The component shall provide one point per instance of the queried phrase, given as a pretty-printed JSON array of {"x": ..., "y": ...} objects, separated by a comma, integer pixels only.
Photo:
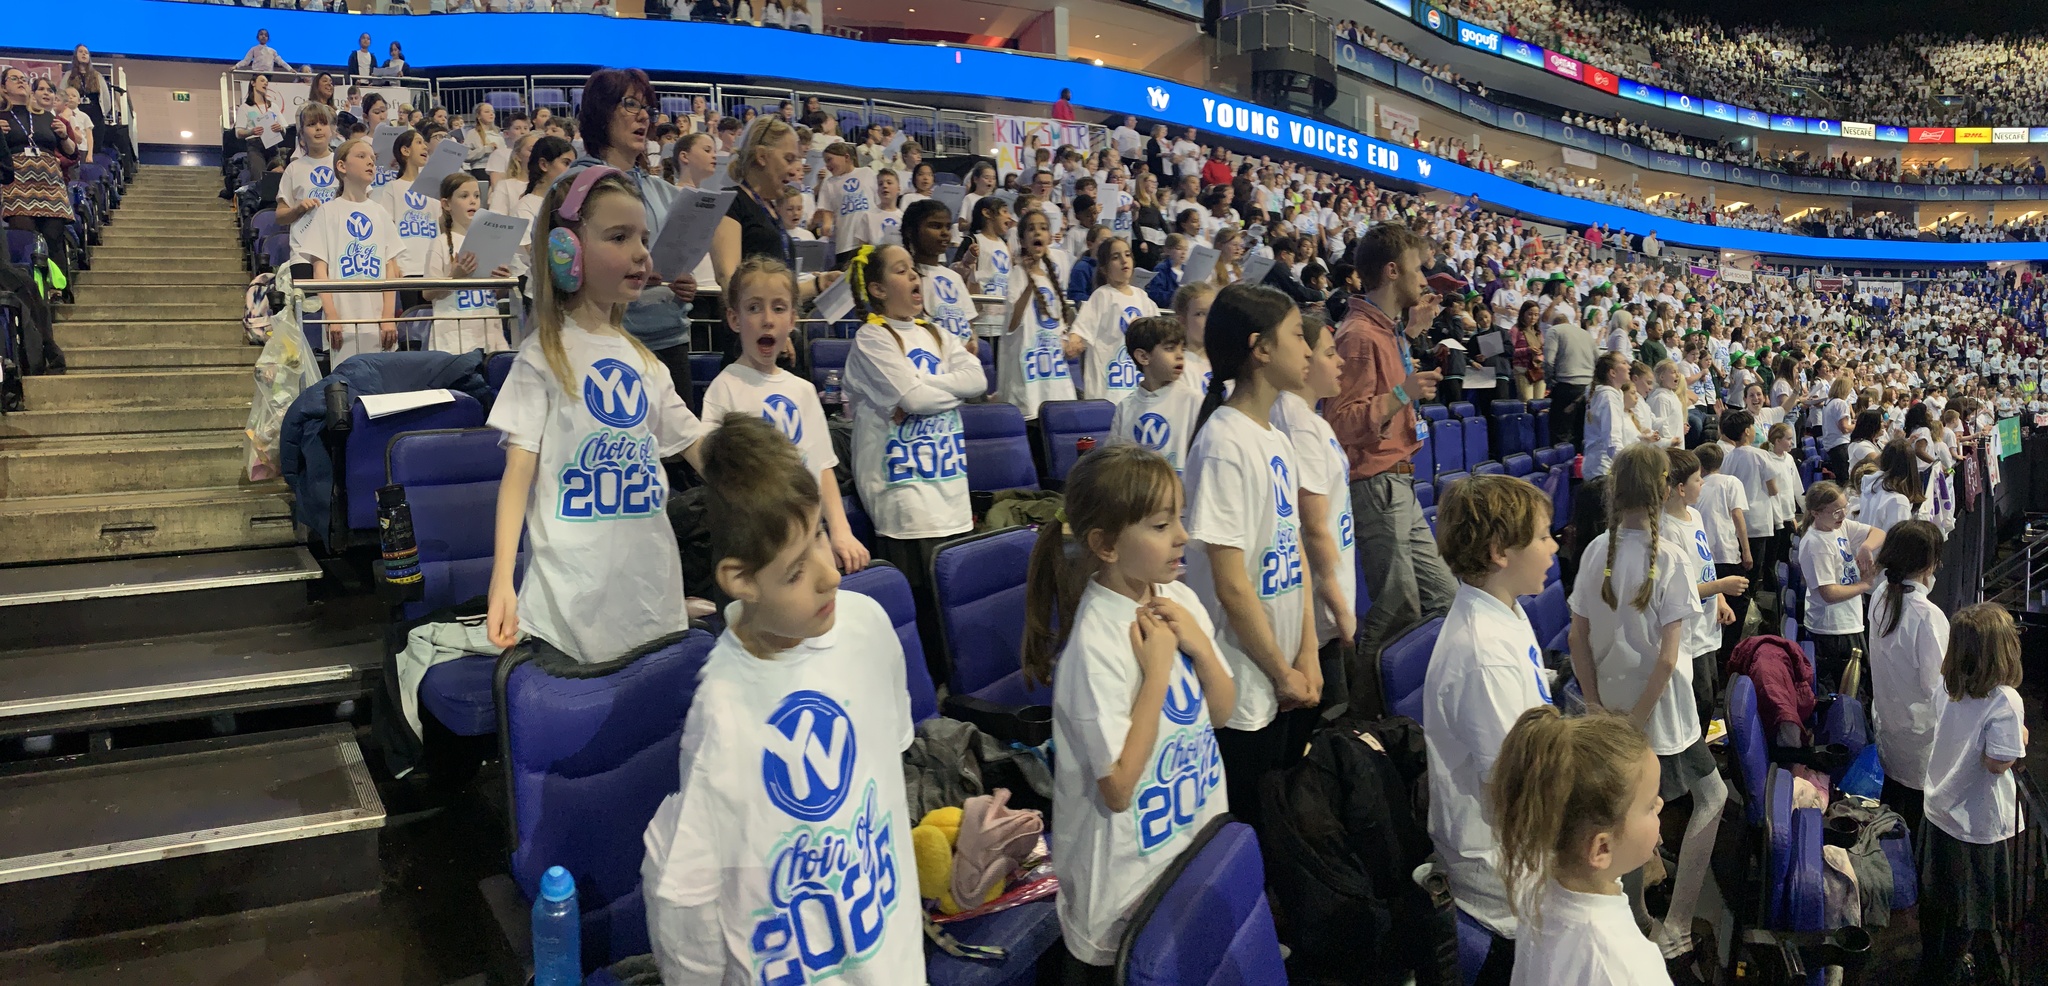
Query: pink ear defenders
[{"x": 565, "y": 251}]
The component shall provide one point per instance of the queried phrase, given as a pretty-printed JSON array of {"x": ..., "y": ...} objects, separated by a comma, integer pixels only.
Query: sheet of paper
[
  {"x": 835, "y": 302},
  {"x": 1153, "y": 235},
  {"x": 1256, "y": 269},
  {"x": 1141, "y": 277},
  {"x": 813, "y": 256},
  {"x": 379, "y": 405},
  {"x": 1490, "y": 345},
  {"x": 686, "y": 232},
  {"x": 1481, "y": 378},
  {"x": 1201, "y": 263},
  {"x": 952, "y": 196},
  {"x": 446, "y": 160},
  {"x": 1451, "y": 344},
  {"x": 895, "y": 145},
  {"x": 494, "y": 239},
  {"x": 386, "y": 135},
  {"x": 271, "y": 138}
]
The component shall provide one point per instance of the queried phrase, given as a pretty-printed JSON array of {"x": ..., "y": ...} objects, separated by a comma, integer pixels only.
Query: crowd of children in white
[{"x": 1197, "y": 596}]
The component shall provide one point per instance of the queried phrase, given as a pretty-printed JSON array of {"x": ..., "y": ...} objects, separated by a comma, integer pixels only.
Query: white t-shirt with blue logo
[
  {"x": 948, "y": 302},
  {"x": 463, "y": 320},
  {"x": 603, "y": 575},
  {"x": 880, "y": 226},
  {"x": 419, "y": 222},
  {"x": 1703, "y": 633},
  {"x": 1485, "y": 671},
  {"x": 1627, "y": 641},
  {"x": 307, "y": 178},
  {"x": 1326, "y": 472},
  {"x": 1160, "y": 420},
  {"x": 1109, "y": 373},
  {"x": 791, "y": 815},
  {"x": 1242, "y": 493},
  {"x": 1829, "y": 558},
  {"x": 912, "y": 474},
  {"x": 1031, "y": 363},
  {"x": 846, "y": 197},
  {"x": 784, "y": 399},
  {"x": 1107, "y": 860},
  {"x": 359, "y": 242},
  {"x": 992, "y": 270}
]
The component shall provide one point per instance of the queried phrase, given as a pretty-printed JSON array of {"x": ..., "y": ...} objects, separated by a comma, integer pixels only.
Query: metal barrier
[
  {"x": 919, "y": 123},
  {"x": 964, "y": 132},
  {"x": 503, "y": 92},
  {"x": 849, "y": 112},
  {"x": 764, "y": 100},
  {"x": 679, "y": 99},
  {"x": 561, "y": 95},
  {"x": 511, "y": 311}
]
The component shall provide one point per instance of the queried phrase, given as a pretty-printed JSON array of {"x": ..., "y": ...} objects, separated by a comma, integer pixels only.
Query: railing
[
  {"x": 463, "y": 95},
  {"x": 1257, "y": 25},
  {"x": 511, "y": 309}
]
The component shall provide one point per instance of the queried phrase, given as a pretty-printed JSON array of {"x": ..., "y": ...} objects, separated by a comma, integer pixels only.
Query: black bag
[{"x": 1341, "y": 843}]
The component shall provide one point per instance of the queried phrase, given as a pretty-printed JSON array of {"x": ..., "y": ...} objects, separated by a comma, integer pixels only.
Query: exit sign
[{"x": 180, "y": 96}]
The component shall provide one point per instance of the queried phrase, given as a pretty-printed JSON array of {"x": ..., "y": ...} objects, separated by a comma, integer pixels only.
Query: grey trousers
[{"x": 1404, "y": 576}]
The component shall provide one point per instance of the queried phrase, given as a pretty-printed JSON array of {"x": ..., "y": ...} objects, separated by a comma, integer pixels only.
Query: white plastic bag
[{"x": 286, "y": 368}]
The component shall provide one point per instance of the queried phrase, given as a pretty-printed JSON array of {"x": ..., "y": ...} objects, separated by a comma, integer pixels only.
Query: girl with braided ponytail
[
  {"x": 905, "y": 378},
  {"x": 1905, "y": 664},
  {"x": 1577, "y": 804},
  {"x": 1629, "y": 620}
]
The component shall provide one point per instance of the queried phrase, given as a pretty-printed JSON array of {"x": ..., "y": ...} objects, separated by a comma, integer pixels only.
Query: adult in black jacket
[{"x": 1285, "y": 248}]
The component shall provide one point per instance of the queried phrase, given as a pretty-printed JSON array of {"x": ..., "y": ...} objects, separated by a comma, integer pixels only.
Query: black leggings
[
  {"x": 1248, "y": 756},
  {"x": 54, "y": 237}
]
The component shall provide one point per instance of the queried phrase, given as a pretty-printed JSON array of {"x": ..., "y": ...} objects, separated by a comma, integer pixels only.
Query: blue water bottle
[{"x": 557, "y": 931}]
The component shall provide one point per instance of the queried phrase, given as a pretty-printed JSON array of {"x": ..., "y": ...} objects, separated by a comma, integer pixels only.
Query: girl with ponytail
[
  {"x": 1629, "y": 622},
  {"x": 1905, "y": 664},
  {"x": 1140, "y": 685},
  {"x": 1578, "y": 806},
  {"x": 1243, "y": 491}
]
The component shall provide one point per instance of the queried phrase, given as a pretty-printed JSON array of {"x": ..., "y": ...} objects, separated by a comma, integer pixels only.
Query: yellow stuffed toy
[{"x": 933, "y": 840}]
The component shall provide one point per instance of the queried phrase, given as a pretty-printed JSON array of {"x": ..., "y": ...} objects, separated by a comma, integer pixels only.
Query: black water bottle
[{"x": 403, "y": 580}]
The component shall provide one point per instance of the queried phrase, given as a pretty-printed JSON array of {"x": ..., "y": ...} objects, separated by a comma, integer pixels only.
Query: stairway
[
  {"x": 180, "y": 685},
  {"x": 138, "y": 449}
]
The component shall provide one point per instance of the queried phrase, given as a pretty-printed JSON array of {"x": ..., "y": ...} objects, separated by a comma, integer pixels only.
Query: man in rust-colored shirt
[{"x": 1375, "y": 419}]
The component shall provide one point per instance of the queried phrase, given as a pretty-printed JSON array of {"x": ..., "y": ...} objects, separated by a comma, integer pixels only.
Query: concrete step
[
  {"x": 110, "y": 280},
  {"x": 228, "y": 307},
  {"x": 227, "y": 250},
  {"x": 160, "y": 295},
  {"x": 131, "y": 388},
  {"x": 130, "y": 221},
  {"x": 122, "y": 525},
  {"x": 183, "y": 416},
  {"x": 164, "y": 357},
  {"x": 140, "y": 333},
  {"x": 74, "y": 466},
  {"x": 206, "y": 265},
  {"x": 68, "y": 688},
  {"x": 206, "y": 827},
  {"x": 169, "y": 235}
]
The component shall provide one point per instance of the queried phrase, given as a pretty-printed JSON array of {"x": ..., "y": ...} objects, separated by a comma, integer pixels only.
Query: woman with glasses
[{"x": 40, "y": 147}]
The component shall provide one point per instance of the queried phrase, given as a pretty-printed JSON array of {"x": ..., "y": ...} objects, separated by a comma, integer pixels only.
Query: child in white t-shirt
[
  {"x": 587, "y": 415},
  {"x": 1110, "y": 373},
  {"x": 988, "y": 248},
  {"x": 1327, "y": 538},
  {"x": 463, "y": 320},
  {"x": 309, "y": 181},
  {"x": 1703, "y": 634},
  {"x": 905, "y": 379},
  {"x": 417, "y": 213},
  {"x": 1837, "y": 558},
  {"x": 354, "y": 239},
  {"x": 1158, "y": 415},
  {"x": 1243, "y": 511},
  {"x": 1629, "y": 622},
  {"x": 1577, "y": 924},
  {"x": 1137, "y": 691},
  {"x": 1485, "y": 672},
  {"x": 1191, "y": 305},
  {"x": 761, "y": 309},
  {"x": 1967, "y": 868},
  {"x": 848, "y": 192},
  {"x": 948, "y": 302},
  {"x": 1724, "y": 515},
  {"x": 883, "y": 224},
  {"x": 1906, "y": 652},
  {"x": 794, "y": 743},
  {"x": 1036, "y": 346}
]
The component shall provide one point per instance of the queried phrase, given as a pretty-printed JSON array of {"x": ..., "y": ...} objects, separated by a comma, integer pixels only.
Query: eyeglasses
[{"x": 631, "y": 105}]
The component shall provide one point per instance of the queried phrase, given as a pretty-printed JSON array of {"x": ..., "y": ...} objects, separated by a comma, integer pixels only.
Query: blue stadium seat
[
  {"x": 1206, "y": 922},
  {"x": 1558, "y": 484},
  {"x": 978, "y": 582},
  {"x": 986, "y": 352},
  {"x": 1425, "y": 494},
  {"x": 885, "y": 584},
  {"x": 503, "y": 101},
  {"x": 1539, "y": 409},
  {"x": 998, "y": 453},
  {"x": 370, "y": 438},
  {"x": 1502, "y": 408},
  {"x": 1429, "y": 517},
  {"x": 1548, "y": 614},
  {"x": 1403, "y": 663},
  {"x": 1447, "y": 438},
  {"x": 1424, "y": 460},
  {"x": 496, "y": 368},
  {"x": 704, "y": 368},
  {"x": 590, "y": 752},
  {"x": 1445, "y": 479},
  {"x": 1474, "y": 942},
  {"x": 857, "y": 522},
  {"x": 1061, "y": 424},
  {"x": 1517, "y": 433},
  {"x": 558, "y": 102},
  {"x": 1746, "y": 742},
  {"x": 1519, "y": 464},
  {"x": 1435, "y": 412},
  {"x": 1463, "y": 409},
  {"x": 1489, "y": 469},
  {"x": 828, "y": 355}
]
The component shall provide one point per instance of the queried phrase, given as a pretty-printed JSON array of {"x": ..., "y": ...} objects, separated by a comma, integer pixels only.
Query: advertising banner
[
  {"x": 1576, "y": 136},
  {"x": 1474, "y": 36},
  {"x": 1825, "y": 128},
  {"x": 2008, "y": 135},
  {"x": 1405, "y": 8},
  {"x": 1737, "y": 275},
  {"x": 1436, "y": 20},
  {"x": 1477, "y": 109},
  {"x": 1683, "y": 103},
  {"x": 1930, "y": 135},
  {"x": 1896, "y": 135},
  {"x": 1861, "y": 131},
  {"x": 1789, "y": 124},
  {"x": 1520, "y": 122},
  {"x": 1358, "y": 59},
  {"x": 1393, "y": 119},
  {"x": 1721, "y": 111},
  {"x": 1579, "y": 159},
  {"x": 1017, "y": 138},
  {"x": 1642, "y": 92},
  {"x": 1564, "y": 65},
  {"x": 1602, "y": 80},
  {"x": 1752, "y": 118},
  {"x": 1973, "y": 135}
]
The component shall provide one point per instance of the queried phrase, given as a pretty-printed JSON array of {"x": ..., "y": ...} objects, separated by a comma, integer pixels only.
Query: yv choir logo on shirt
[
  {"x": 1542, "y": 678},
  {"x": 360, "y": 258},
  {"x": 1152, "y": 431},
  {"x": 417, "y": 223},
  {"x": 1045, "y": 360},
  {"x": 1280, "y": 567},
  {"x": 925, "y": 448},
  {"x": 856, "y": 200},
  {"x": 614, "y": 474},
  {"x": 830, "y": 889},
  {"x": 1346, "y": 536},
  {"x": 951, "y": 316},
  {"x": 782, "y": 412},
  {"x": 1283, "y": 485},
  {"x": 322, "y": 180},
  {"x": 1848, "y": 559},
  {"x": 1122, "y": 372},
  {"x": 1188, "y": 771}
]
